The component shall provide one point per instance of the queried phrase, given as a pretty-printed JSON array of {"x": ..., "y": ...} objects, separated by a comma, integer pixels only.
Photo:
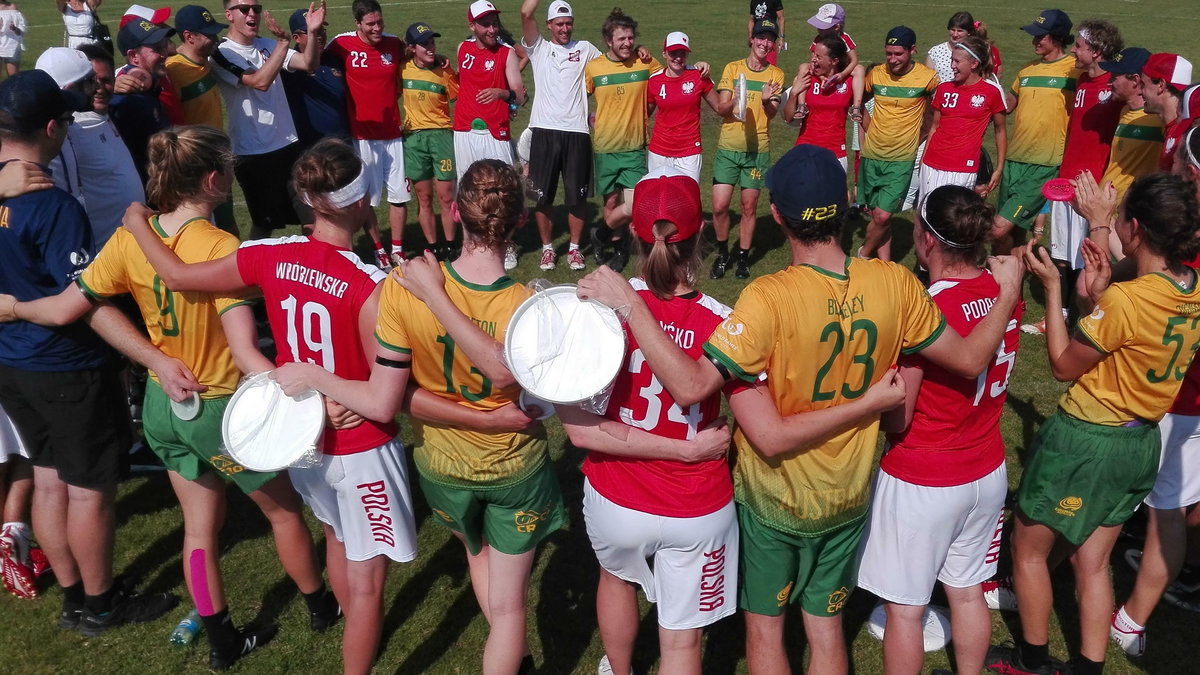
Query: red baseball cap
[
  {"x": 1173, "y": 68},
  {"x": 666, "y": 194},
  {"x": 154, "y": 16},
  {"x": 1191, "y": 103}
]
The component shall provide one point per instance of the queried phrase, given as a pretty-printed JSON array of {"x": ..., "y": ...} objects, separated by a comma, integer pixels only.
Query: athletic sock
[
  {"x": 315, "y": 601},
  {"x": 547, "y": 247},
  {"x": 743, "y": 253},
  {"x": 527, "y": 666},
  {"x": 573, "y": 247},
  {"x": 220, "y": 630},
  {"x": 1124, "y": 623},
  {"x": 73, "y": 595},
  {"x": 722, "y": 247},
  {"x": 397, "y": 244},
  {"x": 1082, "y": 665},
  {"x": 100, "y": 604},
  {"x": 1033, "y": 656}
]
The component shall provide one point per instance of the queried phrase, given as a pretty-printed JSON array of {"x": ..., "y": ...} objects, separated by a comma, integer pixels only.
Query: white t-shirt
[
  {"x": 97, "y": 169},
  {"x": 560, "y": 99},
  {"x": 11, "y": 43},
  {"x": 259, "y": 121},
  {"x": 942, "y": 56}
]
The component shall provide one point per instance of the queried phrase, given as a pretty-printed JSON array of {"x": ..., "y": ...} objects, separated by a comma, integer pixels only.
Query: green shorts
[
  {"x": 1021, "y": 198},
  {"x": 883, "y": 184},
  {"x": 617, "y": 170},
  {"x": 429, "y": 154},
  {"x": 512, "y": 519},
  {"x": 743, "y": 169},
  {"x": 193, "y": 448},
  {"x": 1080, "y": 476},
  {"x": 778, "y": 568}
]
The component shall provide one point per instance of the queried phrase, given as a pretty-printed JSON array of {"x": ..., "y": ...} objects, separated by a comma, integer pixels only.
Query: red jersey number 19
[{"x": 313, "y": 322}]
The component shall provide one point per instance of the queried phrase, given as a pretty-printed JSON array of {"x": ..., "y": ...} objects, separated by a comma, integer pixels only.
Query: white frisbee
[
  {"x": 187, "y": 409},
  {"x": 562, "y": 349},
  {"x": 739, "y": 96},
  {"x": 267, "y": 430},
  {"x": 936, "y": 629},
  {"x": 527, "y": 402}
]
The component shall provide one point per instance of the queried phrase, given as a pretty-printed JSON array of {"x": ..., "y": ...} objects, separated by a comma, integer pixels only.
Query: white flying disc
[
  {"x": 562, "y": 349},
  {"x": 936, "y": 630},
  {"x": 267, "y": 430},
  {"x": 528, "y": 401},
  {"x": 187, "y": 409},
  {"x": 739, "y": 96}
]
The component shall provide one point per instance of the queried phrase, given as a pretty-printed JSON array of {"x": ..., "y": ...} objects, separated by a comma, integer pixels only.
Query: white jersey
[
  {"x": 259, "y": 121},
  {"x": 560, "y": 99}
]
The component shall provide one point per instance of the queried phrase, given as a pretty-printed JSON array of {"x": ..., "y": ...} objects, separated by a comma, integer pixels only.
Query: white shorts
[
  {"x": 1178, "y": 482},
  {"x": 931, "y": 179},
  {"x": 383, "y": 163},
  {"x": 476, "y": 144},
  {"x": 917, "y": 535},
  {"x": 365, "y": 498},
  {"x": 914, "y": 184},
  {"x": 689, "y": 165},
  {"x": 1068, "y": 229},
  {"x": 695, "y": 574},
  {"x": 845, "y": 162},
  {"x": 10, "y": 439}
]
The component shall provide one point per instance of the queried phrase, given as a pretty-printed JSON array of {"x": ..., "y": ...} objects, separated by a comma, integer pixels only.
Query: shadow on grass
[
  {"x": 449, "y": 561},
  {"x": 1031, "y": 421}
]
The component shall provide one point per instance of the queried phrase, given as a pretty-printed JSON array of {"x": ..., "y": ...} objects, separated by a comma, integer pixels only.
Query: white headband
[
  {"x": 347, "y": 195},
  {"x": 964, "y": 48},
  {"x": 1187, "y": 145},
  {"x": 933, "y": 230}
]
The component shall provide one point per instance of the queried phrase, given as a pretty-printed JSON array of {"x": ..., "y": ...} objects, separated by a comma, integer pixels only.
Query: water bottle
[{"x": 187, "y": 629}]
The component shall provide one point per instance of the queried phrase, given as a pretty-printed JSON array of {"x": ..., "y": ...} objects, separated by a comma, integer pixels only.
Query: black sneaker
[
  {"x": 128, "y": 607},
  {"x": 600, "y": 233},
  {"x": 719, "y": 266},
  {"x": 248, "y": 640},
  {"x": 742, "y": 270},
  {"x": 329, "y": 613},
  {"x": 620, "y": 256},
  {"x": 68, "y": 618}
]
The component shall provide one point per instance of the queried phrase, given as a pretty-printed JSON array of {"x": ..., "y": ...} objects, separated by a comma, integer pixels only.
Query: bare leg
[
  {"x": 478, "y": 566},
  {"x": 364, "y": 613},
  {"x": 397, "y": 217},
  {"x": 18, "y": 480},
  {"x": 878, "y": 241},
  {"x": 1095, "y": 591},
  {"x": 575, "y": 223},
  {"x": 91, "y": 526},
  {"x": 544, "y": 224},
  {"x": 680, "y": 651},
  {"x": 293, "y": 540},
  {"x": 617, "y": 616},
  {"x": 203, "y": 505},
  {"x": 614, "y": 211},
  {"x": 50, "y": 506},
  {"x": 722, "y": 196},
  {"x": 507, "y": 590},
  {"x": 337, "y": 566},
  {"x": 445, "y": 193},
  {"x": 749, "y": 217},
  {"x": 425, "y": 215},
  {"x": 1032, "y": 544},
  {"x": 903, "y": 642},
  {"x": 765, "y": 654},
  {"x": 826, "y": 644},
  {"x": 971, "y": 626}
]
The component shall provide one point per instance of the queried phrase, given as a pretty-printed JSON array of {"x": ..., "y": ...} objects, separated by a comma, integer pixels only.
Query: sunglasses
[{"x": 246, "y": 9}]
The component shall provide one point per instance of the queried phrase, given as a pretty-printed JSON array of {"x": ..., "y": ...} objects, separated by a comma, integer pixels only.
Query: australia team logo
[
  {"x": 977, "y": 101},
  {"x": 1069, "y": 505},
  {"x": 883, "y": 91}
]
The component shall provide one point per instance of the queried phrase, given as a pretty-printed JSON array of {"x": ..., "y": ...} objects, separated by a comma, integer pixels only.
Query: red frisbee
[{"x": 1058, "y": 190}]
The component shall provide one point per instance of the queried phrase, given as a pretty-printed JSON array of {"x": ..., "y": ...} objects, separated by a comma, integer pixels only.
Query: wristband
[
  {"x": 1098, "y": 227},
  {"x": 512, "y": 96}
]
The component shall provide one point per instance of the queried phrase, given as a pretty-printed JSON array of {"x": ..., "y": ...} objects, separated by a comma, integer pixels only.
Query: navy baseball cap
[
  {"x": 765, "y": 26},
  {"x": 196, "y": 19},
  {"x": 808, "y": 184},
  {"x": 419, "y": 33},
  {"x": 31, "y": 98},
  {"x": 141, "y": 32},
  {"x": 1130, "y": 61},
  {"x": 1050, "y": 22},
  {"x": 901, "y": 36},
  {"x": 298, "y": 23}
]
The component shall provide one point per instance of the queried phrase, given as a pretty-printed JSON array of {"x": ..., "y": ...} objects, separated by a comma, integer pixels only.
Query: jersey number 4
[{"x": 654, "y": 405}]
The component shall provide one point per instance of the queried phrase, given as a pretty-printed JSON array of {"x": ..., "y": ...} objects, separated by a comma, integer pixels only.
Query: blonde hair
[{"x": 179, "y": 159}]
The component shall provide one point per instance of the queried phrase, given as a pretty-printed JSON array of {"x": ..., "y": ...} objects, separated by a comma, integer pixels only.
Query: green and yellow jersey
[
  {"x": 620, "y": 91},
  {"x": 900, "y": 105},
  {"x": 1045, "y": 92},
  {"x": 1136, "y": 147},
  {"x": 197, "y": 88},
  {"x": 1148, "y": 328},
  {"x": 751, "y": 134},
  {"x": 444, "y": 454},
  {"x": 427, "y": 93},
  {"x": 823, "y": 338},
  {"x": 186, "y": 325}
]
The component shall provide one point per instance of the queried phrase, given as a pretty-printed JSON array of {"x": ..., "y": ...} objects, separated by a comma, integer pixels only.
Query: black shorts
[
  {"x": 75, "y": 422},
  {"x": 552, "y": 152},
  {"x": 266, "y": 181}
]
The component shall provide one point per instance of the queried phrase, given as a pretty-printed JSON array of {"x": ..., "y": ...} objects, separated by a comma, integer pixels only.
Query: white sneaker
[
  {"x": 604, "y": 668},
  {"x": 1133, "y": 644},
  {"x": 510, "y": 257},
  {"x": 575, "y": 259},
  {"x": 999, "y": 595},
  {"x": 548, "y": 258}
]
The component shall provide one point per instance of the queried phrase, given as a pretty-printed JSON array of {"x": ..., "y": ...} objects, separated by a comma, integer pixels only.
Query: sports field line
[{"x": 384, "y": 4}]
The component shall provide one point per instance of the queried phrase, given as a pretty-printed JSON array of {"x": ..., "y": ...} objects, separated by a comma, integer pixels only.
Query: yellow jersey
[
  {"x": 444, "y": 454},
  {"x": 1045, "y": 92},
  {"x": 823, "y": 338},
  {"x": 197, "y": 88},
  {"x": 620, "y": 91},
  {"x": 184, "y": 325},
  {"x": 900, "y": 106},
  {"x": 1136, "y": 147},
  {"x": 1148, "y": 329},
  {"x": 427, "y": 93},
  {"x": 751, "y": 134}
]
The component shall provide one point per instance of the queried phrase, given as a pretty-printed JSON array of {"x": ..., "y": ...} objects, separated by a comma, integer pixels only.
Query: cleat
[
  {"x": 999, "y": 595},
  {"x": 742, "y": 271},
  {"x": 575, "y": 259},
  {"x": 719, "y": 266},
  {"x": 599, "y": 245},
  {"x": 128, "y": 607},
  {"x": 322, "y": 619},
  {"x": 248, "y": 641},
  {"x": 510, "y": 257},
  {"x": 68, "y": 618},
  {"x": 396, "y": 257},
  {"x": 548, "y": 258}
]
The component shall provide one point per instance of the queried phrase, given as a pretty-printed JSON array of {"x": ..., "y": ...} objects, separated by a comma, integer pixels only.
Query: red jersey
[
  {"x": 372, "y": 83},
  {"x": 313, "y": 292},
  {"x": 954, "y": 437},
  {"x": 1187, "y": 402},
  {"x": 480, "y": 68},
  {"x": 1172, "y": 136},
  {"x": 677, "y": 112},
  {"x": 1094, "y": 120},
  {"x": 825, "y": 125},
  {"x": 966, "y": 111},
  {"x": 664, "y": 487}
]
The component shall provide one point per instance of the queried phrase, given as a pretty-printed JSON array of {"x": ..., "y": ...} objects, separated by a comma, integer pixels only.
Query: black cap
[
  {"x": 196, "y": 19},
  {"x": 765, "y": 26},
  {"x": 298, "y": 23},
  {"x": 901, "y": 36},
  {"x": 419, "y": 33},
  {"x": 808, "y": 184},
  {"x": 141, "y": 32},
  {"x": 1130, "y": 61},
  {"x": 31, "y": 98},
  {"x": 1050, "y": 22}
]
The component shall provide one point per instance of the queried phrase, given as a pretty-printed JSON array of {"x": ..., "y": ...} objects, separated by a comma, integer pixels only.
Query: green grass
[{"x": 432, "y": 623}]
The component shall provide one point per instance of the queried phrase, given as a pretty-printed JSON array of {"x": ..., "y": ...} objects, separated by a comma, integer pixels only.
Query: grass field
[{"x": 432, "y": 623}]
